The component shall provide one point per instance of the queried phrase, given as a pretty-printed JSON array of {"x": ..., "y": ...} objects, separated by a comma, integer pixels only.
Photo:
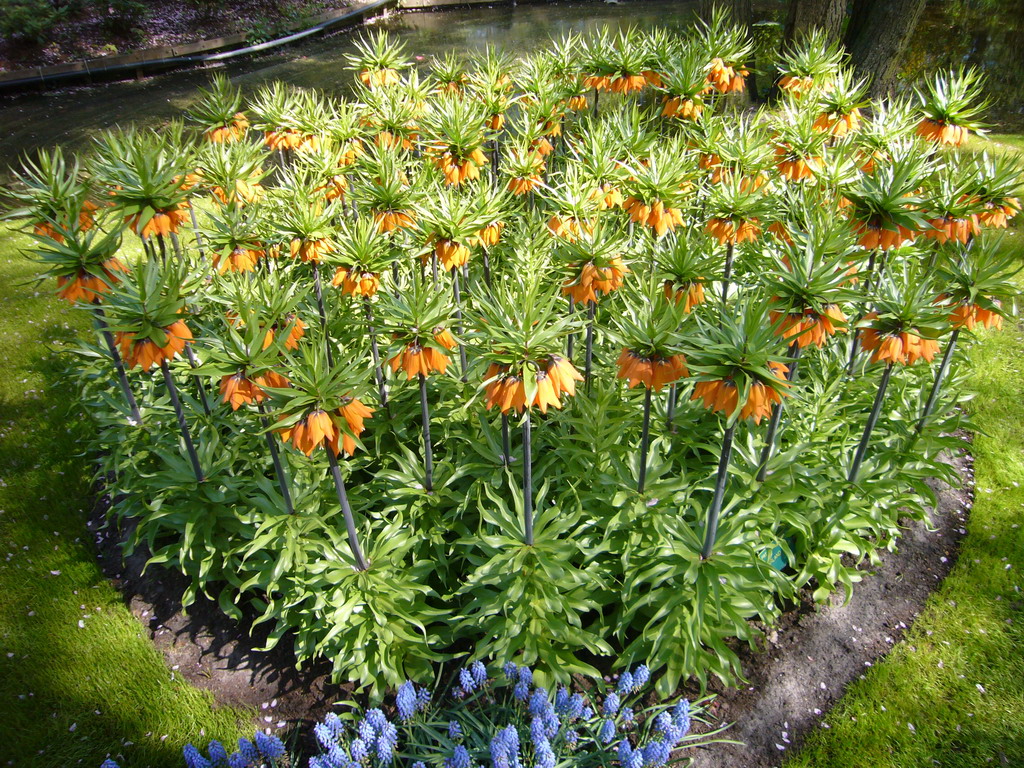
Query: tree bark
[
  {"x": 877, "y": 38},
  {"x": 805, "y": 15}
]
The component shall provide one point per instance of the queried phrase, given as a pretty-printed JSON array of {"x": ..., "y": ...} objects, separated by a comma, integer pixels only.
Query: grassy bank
[
  {"x": 79, "y": 679},
  {"x": 952, "y": 693}
]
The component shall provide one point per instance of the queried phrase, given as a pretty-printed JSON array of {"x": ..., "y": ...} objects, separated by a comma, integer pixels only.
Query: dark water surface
[{"x": 989, "y": 34}]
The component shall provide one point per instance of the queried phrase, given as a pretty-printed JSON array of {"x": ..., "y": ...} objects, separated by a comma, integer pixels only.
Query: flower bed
[{"x": 564, "y": 357}]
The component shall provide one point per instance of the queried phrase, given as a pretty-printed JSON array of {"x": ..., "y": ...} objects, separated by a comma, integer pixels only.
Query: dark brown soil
[
  {"x": 809, "y": 659},
  {"x": 209, "y": 649},
  {"x": 92, "y": 34},
  {"x": 813, "y": 654}
]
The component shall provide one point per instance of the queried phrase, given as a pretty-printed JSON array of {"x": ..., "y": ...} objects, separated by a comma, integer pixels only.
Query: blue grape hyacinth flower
[
  {"x": 270, "y": 747},
  {"x": 405, "y": 701},
  {"x": 611, "y": 705}
]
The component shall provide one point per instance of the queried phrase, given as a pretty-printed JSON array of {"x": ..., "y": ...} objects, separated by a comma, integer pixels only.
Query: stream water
[{"x": 989, "y": 33}]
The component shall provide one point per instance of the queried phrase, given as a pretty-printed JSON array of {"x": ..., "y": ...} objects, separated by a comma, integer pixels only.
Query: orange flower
[
  {"x": 506, "y": 392},
  {"x": 239, "y": 260},
  {"x": 379, "y": 78},
  {"x": 282, "y": 139},
  {"x": 87, "y": 287},
  {"x": 594, "y": 280},
  {"x": 625, "y": 84},
  {"x": 692, "y": 293},
  {"x": 244, "y": 191},
  {"x": 680, "y": 107},
  {"x": 226, "y": 134},
  {"x": 760, "y": 401},
  {"x": 489, "y": 235},
  {"x": 520, "y": 185},
  {"x": 809, "y": 327},
  {"x": 355, "y": 284},
  {"x": 796, "y": 169},
  {"x": 876, "y": 236},
  {"x": 496, "y": 121},
  {"x": 238, "y": 390},
  {"x": 563, "y": 375},
  {"x": 836, "y": 124},
  {"x": 273, "y": 380},
  {"x": 298, "y": 330},
  {"x": 796, "y": 85},
  {"x": 451, "y": 254},
  {"x": 415, "y": 359},
  {"x": 657, "y": 216},
  {"x": 997, "y": 215},
  {"x": 162, "y": 222},
  {"x": 567, "y": 227},
  {"x": 354, "y": 413},
  {"x": 720, "y": 395},
  {"x": 309, "y": 433},
  {"x": 959, "y": 230},
  {"x": 577, "y": 103},
  {"x": 456, "y": 170},
  {"x": 598, "y": 82},
  {"x": 904, "y": 348},
  {"x": 969, "y": 315},
  {"x": 721, "y": 76},
  {"x": 387, "y": 221},
  {"x": 148, "y": 354},
  {"x": 727, "y": 231},
  {"x": 653, "y": 372},
  {"x": 310, "y": 250},
  {"x": 607, "y": 196},
  {"x": 942, "y": 133}
]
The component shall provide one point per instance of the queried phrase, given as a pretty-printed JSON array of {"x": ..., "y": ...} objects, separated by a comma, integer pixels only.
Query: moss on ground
[
  {"x": 79, "y": 678},
  {"x": 952, "y": 692}
]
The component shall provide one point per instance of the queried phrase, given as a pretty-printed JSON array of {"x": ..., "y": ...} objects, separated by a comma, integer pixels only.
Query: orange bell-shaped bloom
[
  {"x": 147, "y": 354},
  {"x": 238, "y": 391},
  {"x": 720, "y": 395},
  {"x": 88, "y": 287},
  {"x": 691, "y": 293}
]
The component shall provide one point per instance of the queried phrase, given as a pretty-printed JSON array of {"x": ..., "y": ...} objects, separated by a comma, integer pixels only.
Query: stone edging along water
[{"x": 152, "y": 60}]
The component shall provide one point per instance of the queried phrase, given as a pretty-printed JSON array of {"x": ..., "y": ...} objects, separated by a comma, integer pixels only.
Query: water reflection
[{"x": 989, "y": 33}]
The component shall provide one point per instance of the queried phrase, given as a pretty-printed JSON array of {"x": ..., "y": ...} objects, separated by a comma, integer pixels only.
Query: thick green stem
[
  {"x": 198, "y": 234},
  {"x": 730, "y": 251},
  {"x": 671, "y": 407},
  {"x": 591, "y": 311},
  {"x": 711, "y": 528},
  {"x": 506, "y": 451},
  {"x": 275, "y": 455},
  {"x": 527, "y": 481},
  {"x": 428, "y": 451},
  {"x": 773, "y": 425},
  {"x": 457, "y": 296},
  {"x": 645, "y": 438},
  {"x": 939, "y": 378},
  {"x": 571, "y": 343},
  {"x": 172, "y": 390},
  {"x": 122, "y": 376},
  {"x": 193, "y": 364},
  {"x": 378, "y": 373},
  {"x": 323, "y": 314},
  {"x": 865, "y": 439},
  {"x": 346, "y": 511},
  {"x": 855, "y": 341},
  {"x": 163, "y": 249}
]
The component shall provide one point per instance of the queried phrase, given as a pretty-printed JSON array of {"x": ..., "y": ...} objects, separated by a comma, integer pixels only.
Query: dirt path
[{"x": 813, "y": 655}]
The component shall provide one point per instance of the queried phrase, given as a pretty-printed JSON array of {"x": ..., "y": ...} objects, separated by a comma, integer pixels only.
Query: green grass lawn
[
  {"x": 952, "y": 693},
  {"x": 79, "y": 678}
]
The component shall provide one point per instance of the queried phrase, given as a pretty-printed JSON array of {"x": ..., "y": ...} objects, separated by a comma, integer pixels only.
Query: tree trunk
[
  {"x": 805, "y": 15},
  {"x": 877, "y": 38}
]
